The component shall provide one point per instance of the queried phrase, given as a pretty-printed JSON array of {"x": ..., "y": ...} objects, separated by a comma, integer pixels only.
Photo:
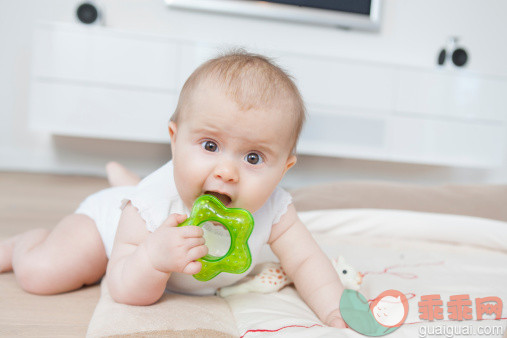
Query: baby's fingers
[
  {"x": 194, "y": 241},
  {"x": 192, "y": 268},
  {"x": 197, "y": 252},
  {"x": 174, "y": 219},
  {"x": 191, "y": 231},
  {"x": 338, "y": 322},
  {"x": 334, "y": 319}
]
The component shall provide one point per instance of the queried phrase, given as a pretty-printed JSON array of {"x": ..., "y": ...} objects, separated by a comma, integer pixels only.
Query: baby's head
[{"x": 235, "y": 129}]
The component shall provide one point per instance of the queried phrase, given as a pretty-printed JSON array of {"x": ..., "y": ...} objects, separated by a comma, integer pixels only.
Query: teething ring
[{"x": 238, "y": 222}]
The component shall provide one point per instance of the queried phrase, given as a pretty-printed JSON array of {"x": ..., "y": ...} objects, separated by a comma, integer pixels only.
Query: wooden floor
[{"x": 39, "y": 200}]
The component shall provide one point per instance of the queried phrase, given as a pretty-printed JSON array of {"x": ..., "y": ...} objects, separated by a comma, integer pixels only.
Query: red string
[
  {"x": 284, "y": 327},
  {"x": 307, "y": 327},
  {"x": 385, "y": 271},
  {"x": 402, "y": 275}
]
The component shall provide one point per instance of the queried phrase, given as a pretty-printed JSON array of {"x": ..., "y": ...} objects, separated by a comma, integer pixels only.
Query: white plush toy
[{"x": 272, "y": 278}]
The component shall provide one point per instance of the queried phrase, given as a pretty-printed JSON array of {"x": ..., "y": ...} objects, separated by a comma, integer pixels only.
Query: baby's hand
[
  {"x": 176, "y": 249},
  {"x": 334, "y": 319}
]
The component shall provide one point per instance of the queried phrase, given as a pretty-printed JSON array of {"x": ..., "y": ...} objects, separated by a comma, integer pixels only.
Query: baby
[{"x": 233, "y": 135}]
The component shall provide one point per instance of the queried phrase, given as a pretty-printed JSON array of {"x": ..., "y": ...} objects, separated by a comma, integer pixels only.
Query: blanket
[
  {"x": 416, "y": 253},
  {"x": 172, "y": 316}
]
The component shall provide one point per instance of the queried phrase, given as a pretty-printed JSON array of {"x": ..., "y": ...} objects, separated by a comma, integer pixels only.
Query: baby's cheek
[
  {"x": 254, "y": 197},
  {"x": 187, "y": 184}
]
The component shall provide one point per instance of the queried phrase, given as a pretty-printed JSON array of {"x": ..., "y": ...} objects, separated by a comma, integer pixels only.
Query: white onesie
[{"x": 156, "y": 198}]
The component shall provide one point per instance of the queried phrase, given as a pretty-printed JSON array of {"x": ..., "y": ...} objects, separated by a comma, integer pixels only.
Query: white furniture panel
[
  {"x": 343, "y": 134},
  {"x": 403, "y": 139},
  {"x": 332, "y": 82},
  {"x": 446, "y": 143},
  {"x": 454, "y": 94},
  {"x": 94, "y": 55},
  {"x": 93, "y": 111},
  {"x": 98, "y": 82}
]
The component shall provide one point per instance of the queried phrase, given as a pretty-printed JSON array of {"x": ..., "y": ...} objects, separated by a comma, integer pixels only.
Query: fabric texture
[
  {"x": 172, "y": 316},
  {"x": 414, "y": 253},
  {"x": 486, "y": 201},
  {"x": 368, "y": 248}
]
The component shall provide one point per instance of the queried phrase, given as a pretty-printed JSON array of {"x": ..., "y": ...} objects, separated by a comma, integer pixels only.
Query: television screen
[
  {"x": 349, "y": 14},
  {"x": 348, "y": 6}
]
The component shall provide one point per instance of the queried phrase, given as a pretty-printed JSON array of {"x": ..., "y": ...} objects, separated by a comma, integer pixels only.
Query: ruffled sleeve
[
  {"x": 281, "y": 200},
  {"x": 269, "y": 214},
  {"x": 156, "y": 197},
  {"x": 272, "y": 211}
]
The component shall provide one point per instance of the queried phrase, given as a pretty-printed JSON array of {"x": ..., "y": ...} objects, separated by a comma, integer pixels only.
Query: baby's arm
[
  {"x": 306, "y": 264},
  {"x": 142, "y": 262}
]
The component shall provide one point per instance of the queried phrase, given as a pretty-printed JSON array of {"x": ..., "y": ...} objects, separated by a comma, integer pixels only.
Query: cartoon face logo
[
  {"x": 389, "y": 310},
  {"x": 386, "y": 313}
]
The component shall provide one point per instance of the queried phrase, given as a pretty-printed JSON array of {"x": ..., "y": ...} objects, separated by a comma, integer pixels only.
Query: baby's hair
[{"x": 251, "y": 80}]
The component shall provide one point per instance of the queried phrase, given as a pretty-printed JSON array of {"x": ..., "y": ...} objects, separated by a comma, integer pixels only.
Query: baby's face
[{"x": 238, "y": 156}]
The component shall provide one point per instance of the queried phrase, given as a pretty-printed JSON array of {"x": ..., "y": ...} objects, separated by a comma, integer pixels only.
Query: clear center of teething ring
[{"x": 217, "y": 237}]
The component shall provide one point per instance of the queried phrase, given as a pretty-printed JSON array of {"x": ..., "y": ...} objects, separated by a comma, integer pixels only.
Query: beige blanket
[
  {"x": 185, "y": 316},
  {"x": 172, "y": 316}
]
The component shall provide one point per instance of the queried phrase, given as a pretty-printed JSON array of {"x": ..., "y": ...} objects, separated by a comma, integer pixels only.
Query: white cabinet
[
  {"x": 403, "y": 139},
  {"x": 453, "y": 143},
  {"x": 100, "y": 56},
  {"x": 344, "y": 133},
  {"x": 451, "y": 94},
  {"x": 101, "y": 111},
  {"x": 392, "y": 113},
  {"x": 342, "y": 83},
  {"x": 98, "y": 82}
]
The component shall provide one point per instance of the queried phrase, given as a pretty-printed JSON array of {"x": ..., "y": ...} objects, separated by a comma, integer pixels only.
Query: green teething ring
[{"x": 238, "y": 222}]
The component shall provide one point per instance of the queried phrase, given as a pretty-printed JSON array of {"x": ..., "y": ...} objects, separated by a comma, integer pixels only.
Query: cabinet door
[
  {"x": 451, "y": 94},
  {"x": 94, "y": 111},
  {"x": 455, "y": 143},
  {"x": 99, "y": 82},
  {"x": 338, "y": 83},
  {"x": 104, "y": 56},
  {"x": 343, "y": 133}
]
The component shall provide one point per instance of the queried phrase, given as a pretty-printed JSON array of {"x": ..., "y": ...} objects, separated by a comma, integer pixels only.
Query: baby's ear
[
  {"x": 172, "y": 133},
  {"x": 172, "y": 130},
  {"x": 291, "y": 160}
]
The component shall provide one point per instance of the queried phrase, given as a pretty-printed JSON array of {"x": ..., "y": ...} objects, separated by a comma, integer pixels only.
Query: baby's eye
[
  {"x": 210, "y": 146},
  {"x": 253, "y": 158}
]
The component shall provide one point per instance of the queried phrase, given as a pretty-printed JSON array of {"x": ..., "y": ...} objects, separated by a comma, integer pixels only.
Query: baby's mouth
[{"x": 225, "y": 199}]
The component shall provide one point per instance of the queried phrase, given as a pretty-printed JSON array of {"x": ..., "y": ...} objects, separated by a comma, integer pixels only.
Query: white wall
[{"x": 412, "y": 33}]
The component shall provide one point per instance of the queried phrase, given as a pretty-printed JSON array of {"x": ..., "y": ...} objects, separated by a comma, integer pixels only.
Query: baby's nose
[{"x": 227, "y": 172}]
